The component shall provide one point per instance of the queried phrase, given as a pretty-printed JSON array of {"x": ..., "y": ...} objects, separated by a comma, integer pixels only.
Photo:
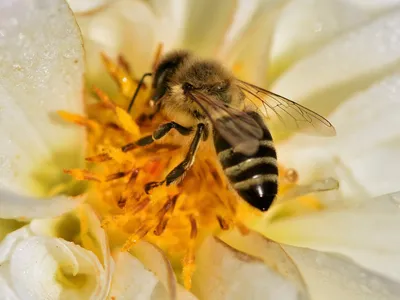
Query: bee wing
[
  {"x": 237, "y": 127},
  {"x": 293, "y": 115}
]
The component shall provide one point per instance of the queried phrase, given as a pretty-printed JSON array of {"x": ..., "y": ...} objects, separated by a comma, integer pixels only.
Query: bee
[{"x": 205, "y": 100}]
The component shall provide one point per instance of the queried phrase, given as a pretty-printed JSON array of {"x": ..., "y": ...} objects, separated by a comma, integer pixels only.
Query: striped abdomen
[{"x": 255, "y": 177}]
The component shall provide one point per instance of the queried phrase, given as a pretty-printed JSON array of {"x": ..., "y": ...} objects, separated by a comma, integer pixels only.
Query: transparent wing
[
  {"x": 237, "y": 127},
  {"x": 292, "y": 115}
]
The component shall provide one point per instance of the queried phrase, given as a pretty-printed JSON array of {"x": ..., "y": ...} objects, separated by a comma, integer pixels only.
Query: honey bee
[{"x": 205, "y": 100}]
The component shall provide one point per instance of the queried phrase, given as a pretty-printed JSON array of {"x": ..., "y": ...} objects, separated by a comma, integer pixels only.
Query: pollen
[{"x": 177, "y": 217}]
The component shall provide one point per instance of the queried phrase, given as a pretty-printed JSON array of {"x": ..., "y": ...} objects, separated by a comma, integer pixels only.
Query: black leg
[
  {"x": 137, "y": 90},
  {"x": 160, "y": 132},
  {"x": 179, "y": 171}
]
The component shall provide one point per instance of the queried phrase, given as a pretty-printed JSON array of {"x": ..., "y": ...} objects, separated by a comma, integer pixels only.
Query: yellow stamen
[
  {"x": 127, "y": 122},
  {"x": 79, "y": 174},
  {"x": 80, "y": 120},
  {"x": 99, "y": 158},
  {"x": 104, "y": 99},
  {"x": 120, "y": 75},
  {"x": 189, "y": 259},
  {"x": 157, "y": 56}
]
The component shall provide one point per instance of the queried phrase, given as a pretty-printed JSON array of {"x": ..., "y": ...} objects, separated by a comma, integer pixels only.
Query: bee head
[
  {"x": 167, "y": 68},
  {"x": 184, "y": 79},
  {"x": 207, "y": 77}
]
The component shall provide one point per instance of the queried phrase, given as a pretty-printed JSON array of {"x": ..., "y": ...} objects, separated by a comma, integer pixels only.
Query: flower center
[{"x": 177, "y": 217}]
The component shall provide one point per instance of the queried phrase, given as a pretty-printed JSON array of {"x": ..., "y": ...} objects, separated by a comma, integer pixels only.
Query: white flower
[{"x": 42, "y": 73}]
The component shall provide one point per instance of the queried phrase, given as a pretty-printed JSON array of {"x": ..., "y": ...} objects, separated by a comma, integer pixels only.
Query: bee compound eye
[{"x": 187, "y": 87}]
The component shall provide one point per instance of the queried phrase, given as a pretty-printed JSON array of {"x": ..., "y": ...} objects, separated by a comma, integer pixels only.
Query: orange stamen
[
  {"x": 157, "y": 56},
  {"x": 79, "y": 120},
  {"x": 99, "y": 158},
  {"x": 120, "y": 75},
  {"x": 189, "y": 258},
  {"x": 79, "y": 174},
  {"x": 107, "y": 103}
]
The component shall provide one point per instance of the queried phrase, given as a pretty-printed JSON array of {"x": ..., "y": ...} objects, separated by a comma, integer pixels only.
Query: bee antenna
[{"x": 141, "y": 82}]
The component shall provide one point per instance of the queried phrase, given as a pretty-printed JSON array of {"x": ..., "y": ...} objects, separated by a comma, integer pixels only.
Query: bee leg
[
  {"x": 180, "y": 170},
  {"x": 160, "y": 132},
  {"x": 141, "y": 82}
]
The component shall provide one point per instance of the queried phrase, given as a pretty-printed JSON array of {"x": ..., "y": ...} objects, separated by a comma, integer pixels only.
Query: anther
[
  {"x": 133, "y": 176},
  {"x": 122, "y": 62},
  {"x": 222, "y": 223},
  {"x": 151, "y": 185},
  {"x": 98, "y": 158},
  {"x": 116, "y": 176},
  {"x": 140, "y": 206},
  {"x": 121, "y": 202},
  {"x": 161, "y": 226},
  {"x": 193, "y": 227}
]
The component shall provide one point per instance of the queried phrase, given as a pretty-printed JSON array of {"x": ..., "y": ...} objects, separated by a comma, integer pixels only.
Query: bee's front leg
[
  {"x": 179, "y": 171},
  {"x": 160, "y": 132}
]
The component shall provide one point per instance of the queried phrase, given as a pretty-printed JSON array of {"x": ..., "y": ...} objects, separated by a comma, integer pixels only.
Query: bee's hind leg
[
  {"x": 179, "y": 171},
  {"x": 160, "y": 132}
]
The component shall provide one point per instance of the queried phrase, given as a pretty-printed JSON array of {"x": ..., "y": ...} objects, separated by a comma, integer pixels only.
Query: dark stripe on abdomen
[
  {"x": 252, "y": 167},
  {"x": 255, "y": 177}
]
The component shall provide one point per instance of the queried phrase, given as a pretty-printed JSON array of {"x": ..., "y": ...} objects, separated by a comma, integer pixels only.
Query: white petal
[
  {"x": 156, "y": 261},
  {"x": 183, "y": 294},
  {"x": 6, "y": 291},
  {"x": 304, "y": 25},
  {"x": 41, "y": 72},
  {"x": 99, "y": 239},
  {"x": 249, "y": 49},
  {"x": 243, "y": 15},
  {"x": 131, "y": 280},
  {"x": 124, "y": 28},
  {"x": 270, "y": 252},
  {"x": 345, "y": 65},
  {"x": 171, "y": 16},
  {"x": 132, "y": 277},
  {"x": 14, "y": 206},
  {"x": 85, "y": 6},
  {"x": 225, "y": 273},
  {"x": 367, "y": 233},
  {"x": 41, "y": 258},
  {"x": 7, "y": 245},
  {"x": 206, "y": 40},
  {"x": 375, "y": 6},
  {"x": 367, "y": 143},
  {"x": 331, "y": 277}
]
